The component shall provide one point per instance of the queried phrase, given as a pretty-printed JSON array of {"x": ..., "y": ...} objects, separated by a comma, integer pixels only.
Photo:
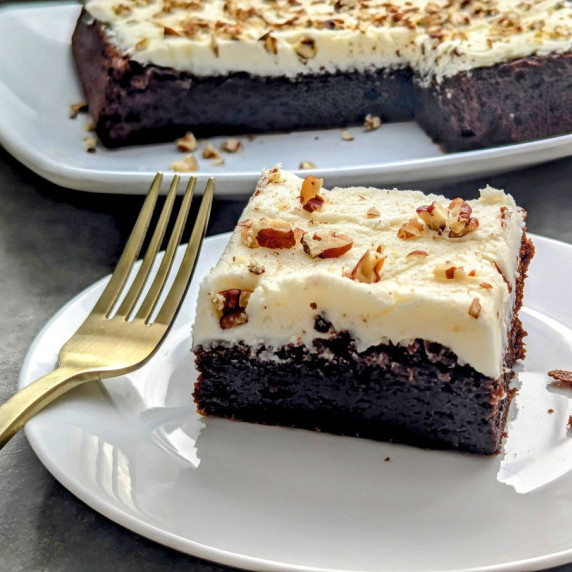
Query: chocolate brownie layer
[
  {"x": 512, "y": 102},
  {"x": 131, "y": 103},
  {"x": 418, "y": 394}
]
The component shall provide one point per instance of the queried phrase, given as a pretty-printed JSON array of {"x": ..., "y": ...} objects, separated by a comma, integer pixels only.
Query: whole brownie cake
[
  {"x": 375, "y": 313},
  {"x": 473, "y": 73}
]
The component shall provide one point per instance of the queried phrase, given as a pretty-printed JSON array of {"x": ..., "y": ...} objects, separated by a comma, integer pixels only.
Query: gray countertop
[{"x": 54, "y": 243}]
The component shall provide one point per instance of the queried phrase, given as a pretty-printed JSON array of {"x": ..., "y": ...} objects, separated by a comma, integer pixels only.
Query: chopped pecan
[
  {"x": 371, "y": 122},
  {"x": 475, "y": 308},
  {"x": 459, "y": 219},
  {"x": 307, "y": 165},
  {"x": 372, "y": 213},
  {"x": 422, "y": 253},
  {"x": 77, "y": 108},
  {"x": 268, "y": 233},
  {"x": 256, "y": 268},
  {"x": 310, "y": 194},
  {"x": 347, "y": 136},
  {"x": 187, "y": 144},
  {"x": 187, "y": 164},
  {"x": 410, "y": 229},
  {"x": 231, "y": 145},
  {"x": 561, "y": 375},
  {"x": 306, "y": 48},
  {"x": 326, "y": 245},
  {"x": 433, "y": 215},
  {"x": 269, "y": 43},
  {"x": 368, "y": 268},
  {"x": 449, "y": 271},
  {"x": 231, "y": 307},
  {"x": 210, "y": 152}
]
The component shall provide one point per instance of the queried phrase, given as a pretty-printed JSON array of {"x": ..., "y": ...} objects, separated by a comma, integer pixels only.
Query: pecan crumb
[
  {"x": 90, "y": 144},
  {"x": 231, "y": 307},
  {"x": 371, "y": 122},
  {"x": 475, "y": 308},
  {"x": 410, "y": 229},
  {"x": 269, "y": 43},
  {"x": 310, "y": 193},
  {"x": 231, "y": 145},
  {"x": 485, "y": 285},
  {"x": 417, "y": 253},
  {"x": 313, "y": 305},
  {"x": 306, "y": 49},
  {"x": 561, "y": 375},
  {"x": 347, "y": 136},
  {"x": 210, "y": 152},
  {"x": 387, "y": 459},
  {"x": 569, "y": 424},
  {"x": 268, "y": 233},
  {"x": 550, "y": 411},
  {"x": 326, "y": 245},
  {"x": 187, "y": 164},
  {"x": 368, "y": 268},
  {"x": 307, "y": 165},
  {"x": 373, "y": 213},
  {"x": 448, "y": 271},
  {"x": 256, "y": 268},
  {"x": 77, "y": 108},
  {"x": 187, "y": 143}
]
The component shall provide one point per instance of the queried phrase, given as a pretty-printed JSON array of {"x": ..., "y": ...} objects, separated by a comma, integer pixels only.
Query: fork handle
[{"x": 22, "y": 406}]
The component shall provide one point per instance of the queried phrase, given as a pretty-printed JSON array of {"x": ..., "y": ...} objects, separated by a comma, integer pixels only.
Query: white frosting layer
[
  {"x": 437, "y": 38},
  {"x": 408, "y": 302}
]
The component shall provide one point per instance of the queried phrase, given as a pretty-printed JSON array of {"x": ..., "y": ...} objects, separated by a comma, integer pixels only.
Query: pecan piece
[
  {"x": 231, "y": 306},
  {"x": 268, "y": 233},
  {"x": 187, "y": 144},
  {"x": 306, "y": 49},
  {"x": 475, "y": 308},
  {"x": 410, "y": 229},
  {"x": 449, "y": 271},
  {"x": 459, "y": 219},
  {"x": 310, "y": 194},
  {"x": 433, "y": 215},
  {"x": 328, "y": 245},
  {"x": 368, "y": 268}
]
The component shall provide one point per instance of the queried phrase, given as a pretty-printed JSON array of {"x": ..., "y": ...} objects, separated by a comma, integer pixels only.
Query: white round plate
[
  {"x": 271, "y": 498},
  {"x": 38, "y": 83}
]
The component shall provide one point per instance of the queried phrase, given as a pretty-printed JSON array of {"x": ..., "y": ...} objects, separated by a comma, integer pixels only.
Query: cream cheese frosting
[
  {"x": 437, "y": 38},
  {"x": 415, "y": 296}
]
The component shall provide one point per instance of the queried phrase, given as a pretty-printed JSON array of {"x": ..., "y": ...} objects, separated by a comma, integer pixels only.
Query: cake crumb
[
  {"x": 187, "y": 143},
  {"x": 231, "y": 145},
  {"x": 347, "y": 136},
  {"x": 306, "y": 165},
  {"x": 218, "y": 162},
  {"x": 387, "y": 459},
  {"x": 77, "y": 108},
  {"x": 372, "y": 122},
  {"x": 90, "y": 144},
  {"x": 550, "y": 411},
  {"x": 187, "y": 164},
  {"x": 561, "y": 375}
]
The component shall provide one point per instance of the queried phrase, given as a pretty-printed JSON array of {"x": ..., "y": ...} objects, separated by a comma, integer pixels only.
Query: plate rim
[
  {"x": 467, "y": 163},
  {"x": 193, "y": 548}
]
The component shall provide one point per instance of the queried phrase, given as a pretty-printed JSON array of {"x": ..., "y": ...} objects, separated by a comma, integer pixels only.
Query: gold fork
[{"x": 122, "y": 332}]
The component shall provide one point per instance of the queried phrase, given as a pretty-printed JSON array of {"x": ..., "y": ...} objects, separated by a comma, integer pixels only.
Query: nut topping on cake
[
  {"x": 187, "y": 164},
  {"x": 475, "y": 308},
  {"x": 459, "y": 220},
  {"x": 268, "y": 233},
  {"x": 410, "y": 229},
  {"x": 368, "y": 268},
  {"x": 326, "y": 245},
  {"x": 306, "y": 48},
  {"x": 231, "y": 306},
  {"x": 256, "y": 268},
  {"x": 418, "y": 253},
  {"x": 372, "y": 213},
  {"x": 433, "y": 215},
  {"x": 310, "y": 194},
  {"x": 449, "y": 271},
  {"x": 269, "y": 43},
  {"x": 371, "y": 122}
]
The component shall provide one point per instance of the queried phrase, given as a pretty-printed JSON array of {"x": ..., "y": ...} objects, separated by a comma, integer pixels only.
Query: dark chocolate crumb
[
  {"x": 387, "y": 459},
  {"x": 321, "y": 324},
  {"x": 313, "y": 305},
  {"x": 550, "y": 411}
]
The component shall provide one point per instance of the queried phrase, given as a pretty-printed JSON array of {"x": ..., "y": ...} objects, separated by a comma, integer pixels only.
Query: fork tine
[
  {"x": 136, "y": 288},
  {"x": 158, "y": 284},
  {"x": 123, "y": 268},
  {"x": 172, "y": 303}
]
